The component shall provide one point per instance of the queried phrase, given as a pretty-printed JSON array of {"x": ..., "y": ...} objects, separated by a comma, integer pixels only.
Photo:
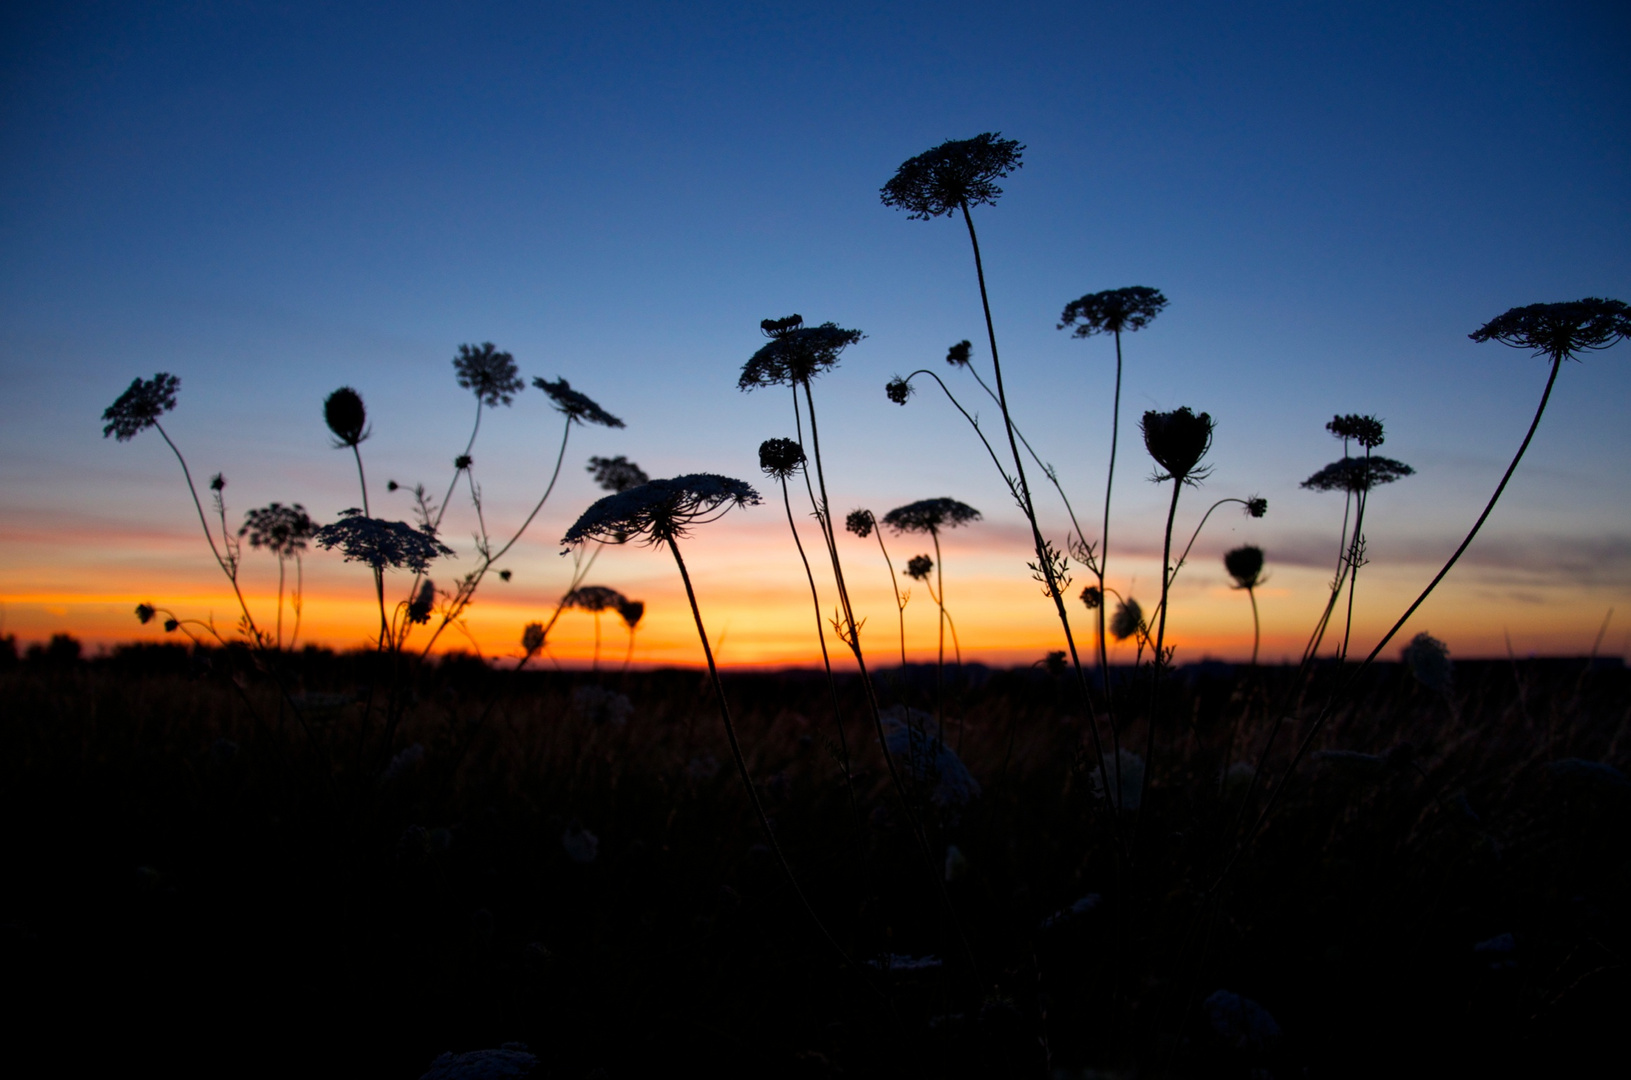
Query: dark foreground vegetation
[{"x": 568, "y": 861}]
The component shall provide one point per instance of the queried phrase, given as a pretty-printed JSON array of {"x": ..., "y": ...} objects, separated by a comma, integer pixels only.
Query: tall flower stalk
[
  {"x": 930, "y": 516},
  {"x": 1245, "y": 565},
  {"x": 863, "y": 524}
]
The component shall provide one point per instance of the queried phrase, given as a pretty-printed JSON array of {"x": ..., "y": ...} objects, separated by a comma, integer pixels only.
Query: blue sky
[{"x": 273, "y": 199}]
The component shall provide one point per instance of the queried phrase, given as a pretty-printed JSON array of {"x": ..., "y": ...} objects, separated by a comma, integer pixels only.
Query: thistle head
[
  {"x": 487, "y": 373},
  {"x": 780, "y": 458},
  {"x": 423, "y": 603},
  {"x": 918, "y": 567},
  {"x": 1093, "y": 597},
  {"x": 1177, "y": 441},
  {"x": 955, "y": 174},
  {"x": 532, "y": 637},
  {"x": 795, "y": 353},
  {"x": 1357, "y": 474},
  {"x": 660, "y": 511},
  {"x": 577, "y": 408},
  {"x": 594, "y": 598},
  {"x": 1560, "y": 330},
  {"x": 1365, "y": 430},
  {"x": 898, "y": 390},
  {"x": 1113, "y": 311},
  {"x": 1245, "y": 565},
  {"x": 861, "y": 523},
  {"x": 930, "y": 516},
  {"x": 345, "y": 416},
  {"x": 631, "y": 612},
  {"x": 958, "y": 355},
  {"x": 1256, "y": 506},
  {"x": 282, "y": 530},
  {"x": 1127, "y": 621},
  {"x": 140, "y": 406}
]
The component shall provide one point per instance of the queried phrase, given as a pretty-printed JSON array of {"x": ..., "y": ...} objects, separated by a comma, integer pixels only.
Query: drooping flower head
[
  {"x": 1177, "y": 441},
  {"x": 1127, "y": 621},
  {"x": 1355, "y": 475},
  {"x": 381, "y": 544},
  {"x": 424, "y": 602},
  {"x": 956, "y": 173},
  {"x": 617, "y": 474},
  {"x": 145, "y": 613},
  {"x": 282, "y": 530},
  {"x": 1113, "y": 311},
  {"x": 344, "y": 414},
  {"x": 1245, "y": 565},
  {"x": 898, "y": 390},
  {"x": 919, "y": 567},
  {"x": 1093, "y": 597},
  {"x": 594, "y": 598},
  {"x": 576, "y": 407},
  {"x": 1256, "y": 506},
  {"x": 780, "y": 458},
  {"x": 140, "y": 406},
  {"x": 488, "y": 373},
  {"x": 861, "y": 523},
  {"x": 795, "y": 353},
  {"x": 1560, "y": 330},
  {"x": 631, "y": 612},
  {"x": 532, "y": 637},
  {"x": 660, "y": 510},
  {"x": 958, "y": 355},
  {"x": 1365, "y": 430},
  {"x": 930, "y": 516}
]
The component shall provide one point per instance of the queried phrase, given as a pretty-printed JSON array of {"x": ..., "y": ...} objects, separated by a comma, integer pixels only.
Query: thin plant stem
[
  {"x": 894, "y": 585},
  {"x": 437, "y": 524},
  {"x": 1251, "y": 593},
  {"x": 1158, "y": 660}
]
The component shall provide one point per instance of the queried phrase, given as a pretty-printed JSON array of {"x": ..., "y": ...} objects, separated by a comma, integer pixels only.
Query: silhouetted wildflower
[
  {"x": 898, "y": 390},
  {"x": 1054, "y": 663},
  {"x": 1365, "y": 430},
  {"x": 930, "y": 516},
  {"x": 956, "y": 173},
  {"x": 218, "y": 483},
  {"x": 1357, "y": 474},
  {"x": 1256, "y": 506},
  {"x": 419, "y": 610},
  {"x": 780, "y": 458},
  {"x": 505, "y": 575},
  {"x": 380, "y": 543},
  {"x": 346, "y": 417},
  {"x": 145, "y": 613},
  {"x": 171, "y": 626},
  {"x": 796, "y": 354},
  {"x": 1112, "y": 311},
  {"x": 774, "y": 328},
  {"x": 1177, "y": 441},
  {"x": 631, "y": 612},
  {"x": 1092, "y": 597},
  {"x": 488, "y": 373},
  {"x": 616, "y": 474},
  {"x": 660, "y": 510},
  {"x": 532, "y": 637},
  {"x": 576, "y": 406},
  {"x": 1560, "y": 330},
  {"x": 282, "y": 530},
  {"x": 958, "y": 355},
  {"x": 1429, "y": 661},
  {"x": 593, "y": 598},
  {"x": 1245, "y": 565},
  {"x": 140, "y": 406},
  {"x": 462, "y": 462},
  {"x": 918, "y": 567},
  {"x": 1127, "y": 621},
  {"x": 861, "y": 523}
]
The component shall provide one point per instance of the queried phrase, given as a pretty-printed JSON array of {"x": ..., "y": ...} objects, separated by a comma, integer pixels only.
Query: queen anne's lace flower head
[
  {"x": 919, "y": 567},
  {"x": 345, "y": 415},
  {"x": 488, "y": 373},
  {"x": 1357, "y": 474},
  {"x": 1245, "y": 565},
  {"x": 1365, "y": 430},
  {"x": 617, "y": 474},
  {"x": 956, "y": 173},
  {"x": 660, "y": 510},
  {"x": 381, "y": 544},
  {"x": 780, "y": 458},
  {"x": 1177, "y": 441},
  {"x": 861, "y": 523},
  {"x": 930, "y": 516},
  {"x": 1112, "y": 311},
  {"x": 631, "y": 612},
  {"x": 282, "y": 530},
  {"x": 1127, "y": 620},
  {"x": 594, "y": 598},
  {"x": 1560, "y": 330},
  {"x": 795, "y": 353},
  {"x": 140, "y": 406},
  {"x": 578, "y": 407}
]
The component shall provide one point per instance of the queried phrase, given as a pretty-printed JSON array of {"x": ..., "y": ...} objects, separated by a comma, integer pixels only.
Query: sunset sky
[{"x": 274, "y": 200}]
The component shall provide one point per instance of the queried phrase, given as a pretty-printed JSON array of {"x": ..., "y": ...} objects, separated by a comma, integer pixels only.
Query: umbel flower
[
  {"x": 1358, "y": 474},
  {"x": 423, "y": 603},
  {"x": 1112, "y": 311},
  {"x": 795, "y": 353},
  {"x": 381, "y": 544},
  {"x": 660, "y": 510},
  {"x": 282, "y": 530},
  {"x": 1365, "y": 430},
  {"x": 930, "y": 516},
  {"x": 898, "y": 390},
  {"x": 575, "y": 406},
  {"x": 595, "y": 598},
  {"x": 1256, "y": 506},
  {"x": 918, "y": 567},
  {"x": 1127, "y": 621},
  {"x": 488, "y": 373},
  {"x": 1560, "y": 330},
  {"x": 958, "y": 355},
  {"x": 140, "y": 406},
  {"x": 344, "y": 414},
  {"x": 617, "y": 474},
  {"x": 861, "y": 523},
  {"x": 631, "y": 612},
  {"x": 780, "y": 458},
  {"x": 956, "y": 174},
  {"x": 1245, "y": 565},
  {"x": 1177, "y": 441},
  {"x": 1093, "y": 597}
]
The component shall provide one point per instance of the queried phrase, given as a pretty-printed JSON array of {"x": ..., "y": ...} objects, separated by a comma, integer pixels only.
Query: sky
[{"x": 271, "y": 200}]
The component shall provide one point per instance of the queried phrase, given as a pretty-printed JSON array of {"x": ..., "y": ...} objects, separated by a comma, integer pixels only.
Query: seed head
[
  {"x": 218, "y": 483},
  {"x": 1365, "y": 430},
  {"x": 861, "y": 523},
  {"x": 957, "y": 173},
  {"x": 898, "y": 390},
  {"x": 1112, "y": 311},
  {"x": 282, "y": 530},
  {"x": 419, "y": 610},
  {"x": 930, "y": 516},
  {"x": 958, "y": 354},
  {"x": 1093, "y": 598},
  {"x": 577, "y": 407},
  {"x": 1245, "y": 565},
  {"x": 780, "y": 458},
  {"x": 616, "y": 474},
  {"x": 1256, "y": 506},
  {"x": 1127, "y": 621},
  {"x": 505, "y": 575},
  {"x": 775, "y": 328},
  {"x": 171, "y": 625},
  {"x": 532, "y": 637},
  {"x": 140, "y": 406},
  {"x": 344, "y": 413},
  {"x": 488, "y": 373},
  {"x": 463, "y": 461},
  {"x": 918, "y": 567},
  {"x": 380, "y": 543},
  {"x": 631, "y": 611},
  {"x": 1560, "y": 330},
  {"x": 1177, "y": 441},
  {"x": 660, "y": 510},
  {"x": 145, "y": 613},
  {"x": 795, "y": 353},
  {"x": 1357, "y": 474}
]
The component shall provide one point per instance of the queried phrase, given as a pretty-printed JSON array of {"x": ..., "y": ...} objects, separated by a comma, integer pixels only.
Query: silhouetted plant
[
  {"x": 1245, "y": 565},
  {"x": 863, "y": 524},
  {"x": 595, "y": 599},
  {"x": 631, "y": 612},
  {"x": 929, "y": 516},
  {"x": 282, "y": 530}
]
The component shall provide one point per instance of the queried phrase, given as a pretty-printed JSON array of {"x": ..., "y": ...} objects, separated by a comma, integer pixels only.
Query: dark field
[{"x": 197, "y": 885}]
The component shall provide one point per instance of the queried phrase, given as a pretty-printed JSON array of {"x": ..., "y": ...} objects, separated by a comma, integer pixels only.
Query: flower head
[
  {"x": 918, "y": 567},
  {"x": 1365, "y": 430},
  {"x": 1245, "y": 565},
  {"x": 380, "y": 543},
  {"x": 957, "y": 173},
  {"x": 1093, "y": 597},
  {"x": 218, "y": 483},
  {"x": 861, "y": 523},
  {"x": 617, "y": 474},
  {"x": 145, "y": 613},
  {"x": 1560, "y": 330},
  {"x": 898, "y": 390},
  {"x": 462, "y": 462},
  {"x": 780, "y": 458},
  {"x": 140, "y": 406},
  {"x": 930, "y": 516},
  {"x": 282, "y": 530},
  {"x": 1112, "y": 311},
  {"x": 1127, "y": 621},
  {"x": 594, "y": 598},
  {"x": 577, "y": 407},
  {"x": 1356, "y": 474},
  {"x": 532, "y": 637},
  {"x": 1429, "y": 660},
  {"x": 631, "y": 612},
  {"x": 660, "y": 510},
  {"x": 958, "y": 354},
  {"x": 795, "y": 353},
  {"x": 344, "y": 414},
  {"x": 1256, "y": 506},
  {"x": 488, "y": 373},
  {"x": 1177, "y": 441},
  {"x": 423, "y": 604}
]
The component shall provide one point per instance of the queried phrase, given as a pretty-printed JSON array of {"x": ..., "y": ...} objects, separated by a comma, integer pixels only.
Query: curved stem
[
  {"x": 442, "y": 510},
  {"x": 1179, "y": 565},
  {"x": 1103, "y": 562},
  {"x": 894, "y": 584},
  {"x": 1252, "y": 594},
  {"x": 1158, "y": 660}
]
